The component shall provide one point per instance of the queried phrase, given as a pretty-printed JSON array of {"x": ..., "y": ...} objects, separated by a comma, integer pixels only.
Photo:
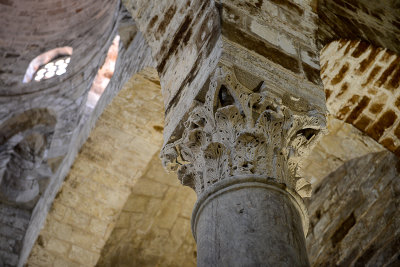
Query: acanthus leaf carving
[{"x": 241, "y": 131}]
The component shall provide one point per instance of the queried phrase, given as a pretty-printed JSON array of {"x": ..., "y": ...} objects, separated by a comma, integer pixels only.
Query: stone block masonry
[
  {"x": 13, "y": 224},
  {"x": 362, "y": 85},
  {"x": 354, "y": 214},
  {"x": 47, "y": 114},
  {"x": 243, "y": 103},
  {"x": 86, "y": 209},
  {"x": 154, "y": 225},
  {"x": 343, "y": 142}
]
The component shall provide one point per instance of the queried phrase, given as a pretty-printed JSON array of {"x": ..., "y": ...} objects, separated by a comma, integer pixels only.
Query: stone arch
[
  {"x": 200, "y": 60},
  {"x": 360, "y": 71},
  {"x": 89, "y": 30},
  {"x": 134, "y": 55},
  {"x": 154, "y": 225}
]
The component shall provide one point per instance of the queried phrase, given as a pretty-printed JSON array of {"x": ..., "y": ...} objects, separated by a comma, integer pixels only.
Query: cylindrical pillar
[
  {"x": 240, "y": 150},
  {"x": 249, "y": 222}
]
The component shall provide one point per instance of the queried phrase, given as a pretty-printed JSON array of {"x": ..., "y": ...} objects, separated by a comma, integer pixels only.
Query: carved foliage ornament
[{"x": 241, "y": 131}]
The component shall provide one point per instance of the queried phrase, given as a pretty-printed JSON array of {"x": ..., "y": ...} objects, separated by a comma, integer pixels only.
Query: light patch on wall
[{"x": 104, "y": 74}]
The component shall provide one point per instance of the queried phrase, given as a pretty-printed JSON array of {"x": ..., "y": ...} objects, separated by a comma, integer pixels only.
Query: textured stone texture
[
  {"x": 153, "y": 228},
  {"x": 29, "y": 29},
  {"x": 240, "y": 130},
  {"x": 377, "y": 22},
  {"x": 174, "y": 30},
  {"x": 125, "y": 67},
  {"x": 260, "y": 109},
  {"x": 354, "y": 214},
  {"x": 42, "y": 125},
  {"x": 48, "y": 116},
  {"x": 249, "y": 224},
  {"x": 290, "y": 61},
  {"x": 361, "y": 82},
  {"x": 144, "y": 214},
  {"x": 85, "y": 210},
  {"x": 13, "y": 224},
  {"x": 342, "y": 143}
]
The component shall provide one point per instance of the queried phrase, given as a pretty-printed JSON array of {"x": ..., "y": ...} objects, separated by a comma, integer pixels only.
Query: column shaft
[{"x": 249, "y": 223}]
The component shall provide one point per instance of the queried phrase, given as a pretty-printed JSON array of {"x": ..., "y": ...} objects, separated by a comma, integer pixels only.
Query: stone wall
[
  {"x": 124, "y": 69},
  {"x": 86, "y": 208},
  {"x": 30, "y": 29},
  {"x": 13, "y": 224},
  {"x": 361, "y": 83},
  {"x": 51, "y": 111},
  {"x": 153, "y": 228},
  {"x": 269, "y": 42},
  {"x": 354, "y": 214}
]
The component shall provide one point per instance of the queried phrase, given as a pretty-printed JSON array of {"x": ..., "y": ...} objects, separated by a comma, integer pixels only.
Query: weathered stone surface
[
  {"x": 26, "y": 139},
  {"x": 42, "y": 123},
  {"x": 174, "y": 30},
  {"x": 363, "y": 82},
  {"x": 13, "y": 224},
  {"x": 248, "y": 118},
  {"x": 240, "y": 131},
  {"x": 342, "y": 143},
  {"x": 123, "y": 70},
  {"x": 85, "y": 210},
  {"x": 218, "y": 35},
  {"x": 153, "y": 229},
  {"x": 374, "y": 21},
  {"x": 354, "y": 214},
  {"x": 29, "y": 29},
  {"x": 250, "y": 224},
  {"x": 269, "y": 47}
]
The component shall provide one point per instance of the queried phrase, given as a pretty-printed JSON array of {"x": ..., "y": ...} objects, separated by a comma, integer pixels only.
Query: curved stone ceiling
[{"x": 30, "y": 29}]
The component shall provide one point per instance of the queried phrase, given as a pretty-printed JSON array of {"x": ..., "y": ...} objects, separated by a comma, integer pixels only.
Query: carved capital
[{"x": 239, "y": 131}]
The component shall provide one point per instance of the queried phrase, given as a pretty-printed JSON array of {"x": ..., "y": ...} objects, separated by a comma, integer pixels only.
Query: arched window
[{"x": 48, "y": 64}]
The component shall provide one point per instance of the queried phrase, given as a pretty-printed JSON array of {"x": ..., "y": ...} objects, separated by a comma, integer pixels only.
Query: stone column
[{"x": 239, "y": 149}]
